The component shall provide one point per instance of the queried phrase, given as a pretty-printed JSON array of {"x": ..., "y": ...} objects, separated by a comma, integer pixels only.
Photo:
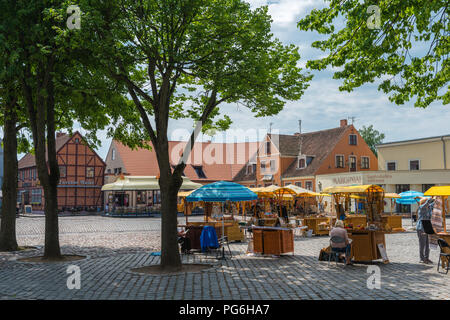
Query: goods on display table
[{"x": 368, "y": 240}]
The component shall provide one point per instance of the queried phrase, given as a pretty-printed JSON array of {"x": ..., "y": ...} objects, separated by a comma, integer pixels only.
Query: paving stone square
[{"x": 114, "y": 246}]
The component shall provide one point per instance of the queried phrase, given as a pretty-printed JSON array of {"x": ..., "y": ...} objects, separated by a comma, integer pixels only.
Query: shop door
[{"x": 352, "y": 163}]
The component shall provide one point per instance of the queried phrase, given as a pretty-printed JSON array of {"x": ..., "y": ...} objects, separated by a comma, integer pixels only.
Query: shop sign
[{"x": 347, "y": 180}]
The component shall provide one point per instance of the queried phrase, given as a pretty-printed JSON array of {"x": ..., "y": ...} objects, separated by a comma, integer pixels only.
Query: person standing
[{"x": 424, "y": 213}]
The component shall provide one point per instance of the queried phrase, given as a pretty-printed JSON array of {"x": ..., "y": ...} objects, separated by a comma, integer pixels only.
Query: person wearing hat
[{"x": 424, "y": 213}]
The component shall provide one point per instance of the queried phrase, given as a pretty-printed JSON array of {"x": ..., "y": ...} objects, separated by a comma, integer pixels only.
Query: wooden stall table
[
  {"x": 365, "y": 244},
  {"x": 193, "y": 233},
  {"x": 319, "y": 225},
  {"x": 392, "y": 222},
  {"x": 273, "y": 240}
]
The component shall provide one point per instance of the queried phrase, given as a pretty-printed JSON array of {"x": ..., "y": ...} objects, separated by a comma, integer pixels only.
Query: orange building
[
  {"x": 81, "y": 176},
  {"x": 297, "y": 159}
]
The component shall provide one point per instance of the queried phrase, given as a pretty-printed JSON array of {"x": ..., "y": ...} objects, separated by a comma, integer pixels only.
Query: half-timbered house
[{"x": 81, "y": 177}]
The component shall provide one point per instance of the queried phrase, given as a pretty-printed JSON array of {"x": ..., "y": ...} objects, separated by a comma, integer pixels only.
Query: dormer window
[
  {"x": 301, "y": 163},
  {"x": 113, "y": 154},
  {"x": 251, "y": 168}
]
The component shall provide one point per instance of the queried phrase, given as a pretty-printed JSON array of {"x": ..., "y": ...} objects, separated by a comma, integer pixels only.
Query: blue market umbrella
[
  {"x": 409, "y": 197},
  {"x": 222, "y": 191}
]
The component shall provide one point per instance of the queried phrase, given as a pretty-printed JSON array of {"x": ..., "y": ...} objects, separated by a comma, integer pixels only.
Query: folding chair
[
  {"x": 335, "y": 251},
  {"x": 445, "y": 255}
]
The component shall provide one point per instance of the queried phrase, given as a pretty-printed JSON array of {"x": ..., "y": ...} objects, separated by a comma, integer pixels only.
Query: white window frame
[
  {"x": 312, "y": 185},
  {"x": 336, "y": 162},
  {"x": 298, "y": 163},
  {"x": 368, "y": 162},
  {"x": 352, "y": 134},
  {"x": 113, "y": 154},
  {"x": 409, "y": 164},
  {"x": 349, "y": 162},
  {"x": 272, "y": 168},
  {"x": 386, "y": 165},
  {"x": 263, "y": 169}
]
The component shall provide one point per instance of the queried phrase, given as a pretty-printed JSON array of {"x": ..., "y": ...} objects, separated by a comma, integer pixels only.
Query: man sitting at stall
[{"x": 344, "y": 247}]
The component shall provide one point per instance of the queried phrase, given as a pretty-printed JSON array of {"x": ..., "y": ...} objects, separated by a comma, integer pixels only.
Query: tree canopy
[
  {"x": 372, "y": 137},
  {"x": 182, "y": 59},
  {"x": 407, "y": 52}
]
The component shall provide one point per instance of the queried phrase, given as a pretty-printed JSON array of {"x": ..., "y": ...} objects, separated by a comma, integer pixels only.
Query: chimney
[
  {"x": 343, "y": 122},
  {"x": 60, "y": 134}
]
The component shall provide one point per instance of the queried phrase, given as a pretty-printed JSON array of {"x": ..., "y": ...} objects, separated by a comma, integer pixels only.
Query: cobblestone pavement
[{"x": 114, "y": 246}]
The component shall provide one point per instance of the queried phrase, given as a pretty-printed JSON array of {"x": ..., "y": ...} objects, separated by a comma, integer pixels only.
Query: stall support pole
[
  {"x": 444, "y": 200},
  {"x": 222, "y": 237}
]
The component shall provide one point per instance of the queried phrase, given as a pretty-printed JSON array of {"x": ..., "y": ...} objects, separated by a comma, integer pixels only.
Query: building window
[
  {"x": 250, "y": 168},
  {"x": 414, "y": 164},
  {"x": 36, "y": 196},
  {"x": 108, "y": 171},
  {"x": 298, "y": 184},
  {"x": 199, "y": 172},
  {"x": 263, "y": 166},
  {"x": 62, "y": 171},
  {"x": 272, "y": 165},
  {"x": 391, "y": 166},
  {"x": 141, "y": 197},
  {"x": 268, "y": 145},
  {"x": 90, "y": 172},
  {"x": 365, "y": 162},
  {"x": 352, "y": 139},
  {"x": 118, "y": 170},
  {"x": 23, "y": 175},
  {"x": 34, "y": 174},
  {"x": 113, "y": 154},
  {"x": 352, "y": 163},
  {"x": 308, "y": 185},
  {"x": 301, "y": 163},
  {"x": 339, "y": 161},
  {"x": 77, "y": 140}
]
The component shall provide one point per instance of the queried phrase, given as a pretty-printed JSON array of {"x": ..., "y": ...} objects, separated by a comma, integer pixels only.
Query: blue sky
[{"x": 323, "y": 105}]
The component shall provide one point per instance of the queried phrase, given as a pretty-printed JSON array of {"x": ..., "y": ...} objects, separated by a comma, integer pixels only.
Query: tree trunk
[
  {"x": 8, "y": 241},
  {"x": 169, "y": 185},
  {"x": 170, "y": 256},
  {"x": 52, "y": 249}
]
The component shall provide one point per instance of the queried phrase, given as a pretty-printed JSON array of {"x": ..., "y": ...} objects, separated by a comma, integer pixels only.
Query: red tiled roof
[
  {"x": 219, "y": 161},
  {"x": 29, "y": 160}
]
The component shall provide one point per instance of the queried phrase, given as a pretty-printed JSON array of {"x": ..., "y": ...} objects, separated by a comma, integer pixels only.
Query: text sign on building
[{"x": 347, "y": 180}]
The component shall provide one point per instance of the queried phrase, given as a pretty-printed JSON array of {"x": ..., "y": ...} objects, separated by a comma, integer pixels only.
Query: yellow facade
[{"x": 432, "y": 153}]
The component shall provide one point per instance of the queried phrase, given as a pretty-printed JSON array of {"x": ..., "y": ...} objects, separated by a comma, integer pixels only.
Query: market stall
[
  {"x": 392, "y": 223},
  {"x": 368, "y": 239},
  {"x": 136, "y": 195},
  {"x": 218, "y": 194}
]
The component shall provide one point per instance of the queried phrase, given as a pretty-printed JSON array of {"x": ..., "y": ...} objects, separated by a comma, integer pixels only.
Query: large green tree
[
  {"x": 183, "y": 59},
  {"x": 402, "y": 43},
  {"x": 56, "y": 88},
  {"x": 372, "y": 137}
]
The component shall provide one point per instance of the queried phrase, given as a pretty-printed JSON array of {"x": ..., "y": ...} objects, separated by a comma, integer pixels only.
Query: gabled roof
[
  {"x": 29, "y": 160},
  {"x": 318, "y": 144}
]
